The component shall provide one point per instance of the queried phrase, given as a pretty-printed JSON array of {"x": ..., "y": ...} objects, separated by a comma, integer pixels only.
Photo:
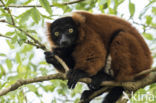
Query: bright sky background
[{"x": 139, "y": 4}]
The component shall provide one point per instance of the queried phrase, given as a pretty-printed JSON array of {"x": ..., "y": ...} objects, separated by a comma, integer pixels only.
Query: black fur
[
  {"x": 113, "y": 95},
  {"x": 62, "y": 25},
  {"x": 98, "y": 78}
]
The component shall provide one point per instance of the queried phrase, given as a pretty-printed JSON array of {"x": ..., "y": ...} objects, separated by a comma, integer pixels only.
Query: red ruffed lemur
[{"x": 85, "y": 41}]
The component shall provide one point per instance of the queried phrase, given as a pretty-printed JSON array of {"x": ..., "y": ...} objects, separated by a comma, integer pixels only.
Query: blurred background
[{"x": 20, "y": 60}]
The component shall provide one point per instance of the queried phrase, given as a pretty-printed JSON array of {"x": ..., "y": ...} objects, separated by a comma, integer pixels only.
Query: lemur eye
[
  {"x": 56, "y": 33},
  {"x": 70, "y": 30}
]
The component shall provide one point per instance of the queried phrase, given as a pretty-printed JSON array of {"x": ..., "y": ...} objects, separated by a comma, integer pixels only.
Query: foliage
[{"x": 19, "y": 60}]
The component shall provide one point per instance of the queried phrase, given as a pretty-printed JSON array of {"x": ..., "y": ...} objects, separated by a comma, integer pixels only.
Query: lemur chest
[{"x": 69, "y": 61}]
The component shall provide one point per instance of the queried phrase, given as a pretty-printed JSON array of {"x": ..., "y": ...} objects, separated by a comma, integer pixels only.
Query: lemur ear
[{"x": 78, "y": 18}]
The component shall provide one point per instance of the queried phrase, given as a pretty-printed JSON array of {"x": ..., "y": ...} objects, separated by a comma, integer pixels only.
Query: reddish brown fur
[{"x": 130, "y": 54}]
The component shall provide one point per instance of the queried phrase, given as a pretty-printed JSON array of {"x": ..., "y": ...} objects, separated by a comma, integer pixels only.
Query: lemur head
[{"x": 63, "y": 32}]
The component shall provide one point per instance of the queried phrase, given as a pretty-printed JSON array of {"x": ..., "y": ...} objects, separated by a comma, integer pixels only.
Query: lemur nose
[{"x": 64, "y": 43}]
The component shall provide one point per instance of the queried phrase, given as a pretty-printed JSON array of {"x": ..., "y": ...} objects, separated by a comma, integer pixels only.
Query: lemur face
[{"x": 64, "y": 32}]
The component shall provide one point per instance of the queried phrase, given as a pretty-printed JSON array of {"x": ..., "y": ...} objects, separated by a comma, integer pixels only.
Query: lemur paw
[
  {"x": 98, "y": 79},
  {"x": 73, "y": 76},
  {"x": 95, "y": 84},
  {"x": 85, "y": 96},
  {"x": 49, "y": 56}
]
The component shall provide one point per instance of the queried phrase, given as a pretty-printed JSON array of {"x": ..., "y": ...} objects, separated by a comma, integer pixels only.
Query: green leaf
[
  {"x": 20, "y": 97},
  {"x": 45, "y": 4},
  {"x": 35, "y": 15},
  {"x": 21, "y": 68},
  {"x": 2, "y": 54},
  {"x": 77, "y": 100},
  {"x": 120, "y": 1},
  {"x": 18, "y": 58},
  {"x": 49, "y": 88},
  {"x": 115, "y": 6},
  {"x": 20, "y": 42},
  {"x": 148, "y": 36},
  {"x": 27, "y": 2},
  {"x": 31, "y": 31},
  {"x": 108, "y": 2},
  {"x": 154, "y": 10},
  {"x": 32, "y": 88},
  {"x": 26, "y": 48},
  {"x": 25, "y": 16},
  {"x": 2, "y": 71},
  {"x": 10, "y": 2},
  {"x": 9, "y": 33},
  {"x": 9, "y": 63},
  {"x": 131, "y": 8},
  {"x": 14, "y": 39},
  {"x": 22, "y": 36},
  {"x": 148, "y": 20},
  {"x": 47, "y": 17},
  {"x": 102, "y": 2},
  {"x": 31, "y": 56},
  {"x": 10, "y": 44},
  {"x": 8, "y": 17},
  {"x": 111, "y": 11}
]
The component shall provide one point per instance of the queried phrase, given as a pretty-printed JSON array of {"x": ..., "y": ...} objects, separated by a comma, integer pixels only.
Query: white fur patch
[{"x": 107, "y": 68}]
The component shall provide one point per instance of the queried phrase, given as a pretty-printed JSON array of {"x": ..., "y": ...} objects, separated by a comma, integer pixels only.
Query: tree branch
[
  {"x": 132, "y": 86},
  {"x": 29, "y": 6},
  {"x": 20, "y": 83},
  {"x": 129, "y": 86}
]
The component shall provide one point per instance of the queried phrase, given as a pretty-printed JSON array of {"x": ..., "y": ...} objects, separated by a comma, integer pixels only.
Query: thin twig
[
  {"x": 9, "y": 11},
  {"x": 27, "y": 41},
  {"x": 27, "y": 34},
  {"x": 1, "y": 35},
  {"x": 29, "y": 6},
  {"x": 144, "y": 25}
]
